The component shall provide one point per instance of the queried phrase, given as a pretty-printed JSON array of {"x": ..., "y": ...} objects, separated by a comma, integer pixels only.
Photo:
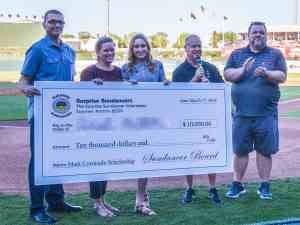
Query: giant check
[{"x": 114, "y": 131}]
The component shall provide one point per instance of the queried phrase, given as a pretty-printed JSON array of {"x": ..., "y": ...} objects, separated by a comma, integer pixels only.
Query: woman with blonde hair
[{"x": 141, "y": 67}]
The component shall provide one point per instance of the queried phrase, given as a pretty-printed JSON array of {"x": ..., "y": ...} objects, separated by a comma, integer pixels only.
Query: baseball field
[{"x": 165, "y": 192}]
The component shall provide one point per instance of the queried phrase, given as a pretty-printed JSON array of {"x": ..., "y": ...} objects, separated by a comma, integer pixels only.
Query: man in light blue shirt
[{"x": 49, "y": 59}]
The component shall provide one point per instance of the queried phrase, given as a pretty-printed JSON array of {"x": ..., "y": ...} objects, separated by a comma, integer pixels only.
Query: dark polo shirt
[
  {"x": 185, "y": 72},
  {"x": 256, "y": 96}
]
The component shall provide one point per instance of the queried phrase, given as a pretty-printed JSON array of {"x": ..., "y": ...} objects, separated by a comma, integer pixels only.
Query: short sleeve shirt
[
  {"x": 255, "y": 96},
  {"x": 45, "y": 61},
  {"x": 140, "y": 72},
  {"x": 185, "y": 72}
]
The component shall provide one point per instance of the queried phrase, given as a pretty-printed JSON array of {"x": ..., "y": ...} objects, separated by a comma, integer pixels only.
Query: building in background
[{"x": 284, "y": 37}]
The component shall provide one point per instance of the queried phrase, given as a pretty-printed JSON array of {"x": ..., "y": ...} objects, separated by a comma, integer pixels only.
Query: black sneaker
[
  {"x": 188, "y": 196},
  {"x": 236, "y": 190},
  {"x": 63, "y": 207},
  {"x": 264, "y": 191},
  {"x": 214, "y": 196},
  {"x": 42, "y": 217}
]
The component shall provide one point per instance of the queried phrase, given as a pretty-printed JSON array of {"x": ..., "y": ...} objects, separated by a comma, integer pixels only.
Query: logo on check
[{"x": 61, "y": 105}]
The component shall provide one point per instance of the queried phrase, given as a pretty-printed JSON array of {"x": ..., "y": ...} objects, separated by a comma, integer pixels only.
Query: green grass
[
  {"x": 292, "y": 114},
  {"x": 7, "y": 85},
  {"x": 13, "y": 107},
  {"x": 289, "y": 92},
  {"x": 247, "y": 209},
  {"x": 14, "y": 76}
]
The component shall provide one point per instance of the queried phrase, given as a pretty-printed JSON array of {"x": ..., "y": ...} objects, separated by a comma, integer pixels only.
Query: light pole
[
  {"x": 295, "y": 14},
  {"x": 223, "y": 35},
  {"x": 224, "y": 18},
  {"x": 107, "y": 18}
]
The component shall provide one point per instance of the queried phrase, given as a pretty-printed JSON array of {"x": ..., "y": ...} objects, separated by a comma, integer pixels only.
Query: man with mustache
[
  {"x": 255, "y": 72},
  {"x": 49, "y": 59}
]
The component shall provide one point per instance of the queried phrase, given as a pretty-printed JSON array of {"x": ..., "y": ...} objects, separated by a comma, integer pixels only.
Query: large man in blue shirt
[
  {"x": 46, "y": 60},
  {"x": 255, "y": 72}
]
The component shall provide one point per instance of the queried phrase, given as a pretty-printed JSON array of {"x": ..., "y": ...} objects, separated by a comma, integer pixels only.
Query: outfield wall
[{"x": 19, "y": 35}]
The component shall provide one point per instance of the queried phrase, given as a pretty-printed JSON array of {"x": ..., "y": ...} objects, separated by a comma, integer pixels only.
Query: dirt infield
[
  {"x": 10, "y": 91},
  {"x": 14, "y": 155}
]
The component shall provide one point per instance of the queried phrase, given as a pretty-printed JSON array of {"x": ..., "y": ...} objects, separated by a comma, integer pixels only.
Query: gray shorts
[{"x": 255, "y": 133}]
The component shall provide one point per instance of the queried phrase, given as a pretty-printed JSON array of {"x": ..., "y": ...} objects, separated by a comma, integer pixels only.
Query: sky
[{"x": 169, "y": 16}]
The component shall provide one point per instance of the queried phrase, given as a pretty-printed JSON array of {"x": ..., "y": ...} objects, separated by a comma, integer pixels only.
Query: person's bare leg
[
  {"x": 240, "y": 164},
  {"x": 212, "y": 180},
  {"x": 142, "y": 203},
  {"x": 189, "y": 181},
  {"x": 189, "y": 192},
  {"x": 212, "y": 191},
  {"x": 101, "y": 209},
  {"x": 264, "y": 166},
  {"x": 142, "y": 186}
]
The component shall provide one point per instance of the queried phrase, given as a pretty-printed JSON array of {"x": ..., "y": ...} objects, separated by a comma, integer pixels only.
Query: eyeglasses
[
  {"x": 53, "y": 22},
  {"x": 139, "y": 46}
]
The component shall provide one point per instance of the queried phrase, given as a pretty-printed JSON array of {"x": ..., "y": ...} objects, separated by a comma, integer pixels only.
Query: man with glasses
[
  {"x": 194, "y": 69},
  {"x": 255, "y": 72},
  {"x": 47, "y": 60}
]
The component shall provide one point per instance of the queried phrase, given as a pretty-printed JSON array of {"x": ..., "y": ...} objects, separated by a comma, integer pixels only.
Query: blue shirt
[
  {"x": 140, "y": 72},
  {"x": 45, "y": 61},
  {"x": 256, "y": 96}
]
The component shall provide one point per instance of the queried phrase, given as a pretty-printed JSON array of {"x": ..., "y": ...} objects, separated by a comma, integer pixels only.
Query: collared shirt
[
  {"x": 140, "y": 72},
  {"x": 185, "y": 72},
  {"x": 46, "y": 61},
  {"x": 256, "y": 96}
]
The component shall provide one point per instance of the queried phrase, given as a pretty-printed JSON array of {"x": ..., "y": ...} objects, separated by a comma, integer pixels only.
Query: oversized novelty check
[{"x": 89, "y": 132}]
